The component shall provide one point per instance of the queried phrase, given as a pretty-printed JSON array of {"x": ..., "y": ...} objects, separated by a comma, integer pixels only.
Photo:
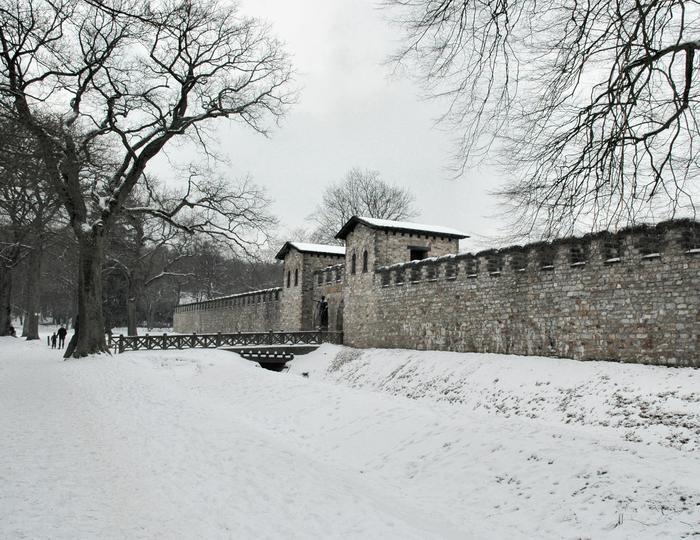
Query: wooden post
[
  {"x": 121, "y": 343},
  {"x": 218, "y": 339},
  {"x": 271, "y": 337},
  {"x": 194, "y": 339},
  {"x": 165, "y": 341}
]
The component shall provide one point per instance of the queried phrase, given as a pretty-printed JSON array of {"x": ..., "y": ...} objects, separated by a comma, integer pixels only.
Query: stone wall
[
  {"x": 255, "y": 311},
  {"x": 394, "y": 246},
  {"x": 632, "y": 297},
  {"x": 298, "y": 306},
  {"x": 291, "y": 307}
]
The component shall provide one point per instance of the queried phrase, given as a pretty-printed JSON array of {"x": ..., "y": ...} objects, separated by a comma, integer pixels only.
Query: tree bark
[
  {"x": 30, "y": 328},
  {"x": 132, "y": 307},
  {"x": 33, "y": 294},
  {"x": 149, "y": 315},
  {"x": 5, "y": 300},
  {"x": 90, "y": 334}
]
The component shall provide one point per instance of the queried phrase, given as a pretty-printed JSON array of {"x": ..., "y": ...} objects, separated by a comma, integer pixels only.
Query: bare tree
[
  {"x": 216, "y": 273},
  {"x": 128, "y": 76},
  {"x": 591, "y": 107},
  {"x": 359, "y": 193},
  {"x": 158, "y": 226},
  {"x": 27, "y": 207}
]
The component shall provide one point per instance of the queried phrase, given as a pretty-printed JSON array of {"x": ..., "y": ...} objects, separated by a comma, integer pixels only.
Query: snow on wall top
[
  {"x": 399, "y": 226},
  {"x": 229, "y": 296},
  {"x": 319, "y": 248},
  {"x": 305, "y": 247}
]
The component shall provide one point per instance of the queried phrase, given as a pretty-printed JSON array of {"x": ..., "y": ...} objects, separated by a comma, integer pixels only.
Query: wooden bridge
[{"x": 239, "y": 340}]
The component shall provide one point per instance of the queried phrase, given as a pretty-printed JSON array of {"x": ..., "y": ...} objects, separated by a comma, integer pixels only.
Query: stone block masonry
[
  {"x": 256, "y": 311},
  {"x": 632, "y": 297}
]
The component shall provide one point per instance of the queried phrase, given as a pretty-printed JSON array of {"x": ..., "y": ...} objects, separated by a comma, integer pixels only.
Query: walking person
[
  {"x": 62, "y": 337},
  {"x": 54, "y": 337}
]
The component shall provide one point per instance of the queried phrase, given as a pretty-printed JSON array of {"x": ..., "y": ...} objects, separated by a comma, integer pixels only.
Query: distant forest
[{"x": 168, "y": 276}]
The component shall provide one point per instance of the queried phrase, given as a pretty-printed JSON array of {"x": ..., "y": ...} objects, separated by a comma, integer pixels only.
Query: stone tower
[
  {"x": 300, "y": 262},
  {"x": 375, "y": 243}
]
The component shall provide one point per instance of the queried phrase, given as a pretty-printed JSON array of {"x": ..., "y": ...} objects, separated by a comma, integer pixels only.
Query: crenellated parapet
[
  {"x": 233, "y": 300},
  {"x": 244, "y": 312},
  {"x": 631, "y": 296},
  {"x": 630, "y": 246},
  {"x": 330, "y": 275}
]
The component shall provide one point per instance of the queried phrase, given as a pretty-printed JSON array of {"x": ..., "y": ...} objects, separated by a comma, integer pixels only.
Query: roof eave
[
  {"x": 348, "y": 227},
  {"x": 353, "y": 221},
  {"x": 282, "y": 253}
]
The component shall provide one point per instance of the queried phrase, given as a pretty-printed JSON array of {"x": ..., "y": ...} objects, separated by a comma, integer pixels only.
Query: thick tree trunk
[
  {"x": 5, "y": 300},
  {"x": 90, "y": 333},
  {"x": 30, "y": 328}
]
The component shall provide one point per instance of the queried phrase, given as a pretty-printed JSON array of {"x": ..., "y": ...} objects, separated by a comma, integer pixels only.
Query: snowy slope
[
  {"x": 640, "y": 403},
  {"x": 202, "y": 444}
]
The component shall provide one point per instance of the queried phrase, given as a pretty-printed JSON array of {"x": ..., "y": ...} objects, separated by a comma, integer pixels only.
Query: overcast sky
[{"x": 353, "y": 112}]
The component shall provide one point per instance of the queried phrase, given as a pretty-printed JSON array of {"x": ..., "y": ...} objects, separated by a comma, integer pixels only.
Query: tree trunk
[
  {"x": 90, "y": 333},
  {"x": 149, "y": 315},
  {"x": 5, "y": 300},
  {"x": 132, "y": 307},
  {"x": 30, "y": 329}
]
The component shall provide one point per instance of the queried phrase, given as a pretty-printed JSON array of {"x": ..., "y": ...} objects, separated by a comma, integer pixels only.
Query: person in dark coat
[
  {"x": 53, "y": 340},
  {"x": 62, "y": 337}
]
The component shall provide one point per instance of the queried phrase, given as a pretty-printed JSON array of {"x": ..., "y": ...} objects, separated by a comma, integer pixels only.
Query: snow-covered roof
[
  {"x": 398, "y": 226},
  {"x": 304, "y": 247}
]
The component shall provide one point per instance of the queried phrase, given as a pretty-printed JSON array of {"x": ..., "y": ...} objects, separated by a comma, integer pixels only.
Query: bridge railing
[{"x": 123, "y": 343}]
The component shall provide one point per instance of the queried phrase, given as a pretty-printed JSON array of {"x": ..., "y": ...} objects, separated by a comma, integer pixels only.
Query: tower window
[
  {"x": 364, "y": 262},
  {"x": 296, "y": 277},
  {"x": 417, "y": 253}
]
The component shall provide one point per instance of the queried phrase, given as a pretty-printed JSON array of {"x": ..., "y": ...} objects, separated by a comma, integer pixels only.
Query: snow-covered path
[{"x": 203, "y": 444}]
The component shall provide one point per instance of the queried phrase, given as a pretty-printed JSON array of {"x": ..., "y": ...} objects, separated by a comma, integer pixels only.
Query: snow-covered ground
[{"x": 373, "y": 444}]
